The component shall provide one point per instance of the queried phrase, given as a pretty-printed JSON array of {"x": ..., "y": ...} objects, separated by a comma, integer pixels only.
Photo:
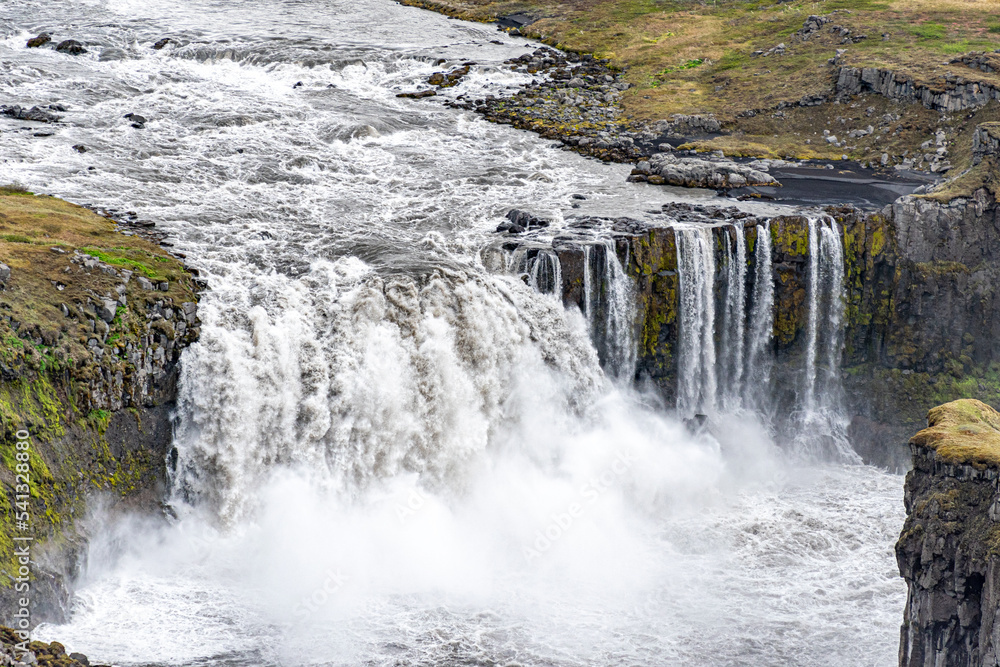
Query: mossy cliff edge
[
  {"x": 921, "y": 303},
  {"x": 92, "y": 322},
  {"x": 949, "y": 549}
]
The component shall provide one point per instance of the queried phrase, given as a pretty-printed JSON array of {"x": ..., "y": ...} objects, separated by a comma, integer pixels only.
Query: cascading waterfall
[
  {"x": 696, "y": 368},
  {"x": 824, "y": 335},
  {"x": 821, "y": 428},
  {"x": 734, "y": 323},
  {"x": 541, "y": 266},
  {"x": 619, "y": 347},
  {"x": 812, "y": 325},
  {"x": 761, "y": 325}
]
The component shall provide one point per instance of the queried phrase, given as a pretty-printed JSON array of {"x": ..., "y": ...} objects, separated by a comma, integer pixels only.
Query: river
[{"x": 387, "y": 454}]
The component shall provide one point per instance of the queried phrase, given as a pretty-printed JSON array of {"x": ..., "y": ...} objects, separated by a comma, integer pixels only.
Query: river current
[{"x": 386, "y": 453}]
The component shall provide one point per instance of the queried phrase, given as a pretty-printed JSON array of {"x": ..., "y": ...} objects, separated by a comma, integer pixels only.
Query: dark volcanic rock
[
  {"x": 36, "y": 114},
  {"x": 419, "y": 94},
  {"x": 42, "y": 39},
  {"x": 949, "y": 548},
  {"x": 72, "y": 47},
  {"x": 162, "y": 43}
]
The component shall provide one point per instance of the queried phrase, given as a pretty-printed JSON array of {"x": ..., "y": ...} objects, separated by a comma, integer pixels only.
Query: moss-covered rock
[
  {"x": 92, "y": 322},
  {"x": 964, "y": 431}
]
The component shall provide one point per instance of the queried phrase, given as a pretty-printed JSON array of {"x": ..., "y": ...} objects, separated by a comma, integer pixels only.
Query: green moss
[{"x": 117, "y": 259}]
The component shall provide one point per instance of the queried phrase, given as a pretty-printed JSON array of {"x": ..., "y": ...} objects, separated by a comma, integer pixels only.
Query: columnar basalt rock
[
  {"x": 949, "y": 548},
  {"x": 946, "y": 93},
  {"x": 93, "y": 323},
  {"x": 985, "y": 142}
]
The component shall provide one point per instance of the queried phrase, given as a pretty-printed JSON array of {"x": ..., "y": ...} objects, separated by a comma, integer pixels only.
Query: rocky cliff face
[
  {"x": 949, "y": 549},
  {"x": 93, "y": 322},
  {"x": 922, "y": 317}
]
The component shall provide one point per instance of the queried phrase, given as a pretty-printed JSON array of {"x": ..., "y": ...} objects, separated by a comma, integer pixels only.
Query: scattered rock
[
  {"x": 667, "y": 169},
  {"x": 519, "y": 221},
  {"x": 138, "y": 122},
  {"x": 162, "y": 43},
  {"x": 36, "y": 114},
  {"x": 418, "y": 95},
  {"x": 71, "y": 46},
  {"x": 812, "y": 25},
  {"x": 80, "y": 148},
  {"x": 4, "y": 274},
  {"x": 42, "y": 39}
]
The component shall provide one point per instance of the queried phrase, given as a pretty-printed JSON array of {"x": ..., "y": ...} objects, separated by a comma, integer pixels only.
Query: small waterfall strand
[
  {"x": 812, "y": 326},
  {"x": 619, "y": 349},
  {"x": 761, "y": 324},
  {"x": 696, "y": 381},
  {"x": 734, "y": 324}
]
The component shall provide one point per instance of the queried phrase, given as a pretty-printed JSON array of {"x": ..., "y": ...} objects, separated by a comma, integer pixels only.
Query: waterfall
[
  {"x": 812, "y": 332},
  {"x": 619, "y": 347},
  {"x": 759, "y": 359},
  {"x": 734, "y": 324},
  {"x": 696, "y": 368},
  {"x": 824, "y": 335},
  {"x": 820, "y": 427},
  {"x": 587, "y": 306}
]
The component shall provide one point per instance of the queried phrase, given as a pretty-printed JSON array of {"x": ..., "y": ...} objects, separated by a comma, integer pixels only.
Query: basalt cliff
[
  {"x": 93, "y": 318},
  {"x": 949, "y": 549},
  {"x": 920, "y": 289}
]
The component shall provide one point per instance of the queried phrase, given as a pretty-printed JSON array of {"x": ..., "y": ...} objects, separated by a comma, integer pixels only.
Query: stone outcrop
[
  {"x": 985, "y": 142},
  {"x": 93, "y": 323},
  {"x": 949, "y": 548},
  {"x": 718, "y": 174},
  {"x": 945, "y": 93}
]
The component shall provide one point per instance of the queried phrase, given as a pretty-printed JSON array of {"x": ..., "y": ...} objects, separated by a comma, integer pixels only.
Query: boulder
[
  {"x": 701, "y": 173},
  {"x": 71, "y": 46},
  {"x": 36, "y": 114},
  {"x": 42, "y": 39},
  {"x": 162, "y": 43}
]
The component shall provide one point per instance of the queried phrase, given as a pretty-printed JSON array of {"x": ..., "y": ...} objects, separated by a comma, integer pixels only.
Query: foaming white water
[
  {"x": 363, "y": 377},
  {"x": 387, "y": 456}
]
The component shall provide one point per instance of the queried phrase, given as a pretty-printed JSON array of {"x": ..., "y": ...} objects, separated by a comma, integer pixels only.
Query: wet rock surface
[
  {"x": 71, "y": 47},
  {"x": 15, "y": 652},
  {"x": 89, "y": 370},
  {"x": 948, "y": 549},
  {"x": 36, "y": 114}
]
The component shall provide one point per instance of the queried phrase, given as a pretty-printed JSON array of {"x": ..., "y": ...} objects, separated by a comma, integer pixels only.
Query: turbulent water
[{"x": 386, "y": 453}]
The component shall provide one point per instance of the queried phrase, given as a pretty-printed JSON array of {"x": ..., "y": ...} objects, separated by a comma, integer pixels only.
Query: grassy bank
[{"x": 716, "y": 58}]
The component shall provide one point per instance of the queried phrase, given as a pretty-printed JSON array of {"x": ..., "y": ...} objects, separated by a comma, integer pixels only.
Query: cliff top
[
  {"x": 61, "y": 257},
  {"x": 963, "y": 431}
]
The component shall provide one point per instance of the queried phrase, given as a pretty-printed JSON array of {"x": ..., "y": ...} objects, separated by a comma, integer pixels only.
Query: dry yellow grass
[{"x": 963, "y": 431}]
